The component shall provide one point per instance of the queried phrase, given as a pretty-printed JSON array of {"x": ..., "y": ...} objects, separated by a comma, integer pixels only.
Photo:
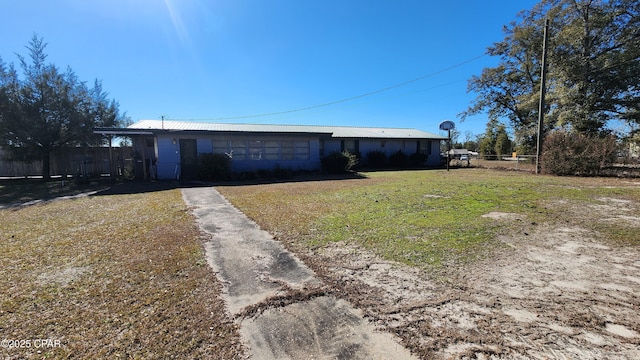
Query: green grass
[
  {"x": 426, "y": 217},
  {"x": 419, "y": 217}
]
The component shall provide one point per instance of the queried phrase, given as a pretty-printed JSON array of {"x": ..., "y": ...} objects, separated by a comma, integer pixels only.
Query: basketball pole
[{"x": 449, "y": 149}]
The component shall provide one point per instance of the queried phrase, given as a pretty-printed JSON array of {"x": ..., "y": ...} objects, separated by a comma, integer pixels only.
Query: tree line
[
  {"x": 592, "y": 81},
  {"x": 592, "y": 76},
  {"x": 47, "y": 109}
]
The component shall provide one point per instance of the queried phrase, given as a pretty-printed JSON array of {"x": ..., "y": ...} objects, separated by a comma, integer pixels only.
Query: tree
[
  {"x": 594, "y": 64},
  {"x": 487, "y": 142},
  {"x": 510, "y": 89},
  {"x": 502, "y": 141},
  {"x": 49, "y": 109},
  {"x": 597, "y": 56},
  {"x": 470, "y": 143}
]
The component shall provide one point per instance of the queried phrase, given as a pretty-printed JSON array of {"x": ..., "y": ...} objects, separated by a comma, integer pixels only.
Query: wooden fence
[{"x": 93, "y": 161}]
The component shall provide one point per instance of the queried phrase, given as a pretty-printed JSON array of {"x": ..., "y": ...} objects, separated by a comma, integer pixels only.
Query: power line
[
  {"x": 349, "y": 98},
  {"x": 377, "y": 100}
]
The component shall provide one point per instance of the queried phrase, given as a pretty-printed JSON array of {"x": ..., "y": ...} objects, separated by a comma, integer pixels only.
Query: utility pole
[{"x": 542, "y": 94}]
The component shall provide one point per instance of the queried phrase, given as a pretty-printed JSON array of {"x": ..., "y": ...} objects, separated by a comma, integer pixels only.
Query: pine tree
[{"x": 49, "y": 109}]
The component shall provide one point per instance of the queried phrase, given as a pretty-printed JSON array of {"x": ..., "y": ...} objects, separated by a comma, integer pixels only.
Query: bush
[
  {"x": 398, "y": 159},
  {"x": 418, "y": 159},
  {"x": 565, "y": 153},
  {"x": 214, "y": 167},
  {"x": 82, "y": 179},
  {"x": 282, "y": 173},
  {"x": 263, "y": 174},
  {"x": 376, "y": 159},
  {"x": 336, "y": 162}
]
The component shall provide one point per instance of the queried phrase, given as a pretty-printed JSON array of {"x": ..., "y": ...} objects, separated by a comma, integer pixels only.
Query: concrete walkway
[{"x": 254, "y": 268}]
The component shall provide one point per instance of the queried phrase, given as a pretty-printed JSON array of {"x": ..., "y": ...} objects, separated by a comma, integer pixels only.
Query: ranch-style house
[{"x": 170, "y": 149}]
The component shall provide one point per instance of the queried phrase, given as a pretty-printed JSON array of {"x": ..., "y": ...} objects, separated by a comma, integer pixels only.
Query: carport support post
[
  {"x": 110, "y": 158},
  {"x": 144, "y": 158}
]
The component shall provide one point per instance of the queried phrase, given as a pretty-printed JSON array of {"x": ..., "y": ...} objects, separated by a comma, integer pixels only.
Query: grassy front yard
[
  {"x": 124, "y": 276},
  {"x": 113, "y": 276},
  {"x": 425, "y": 218}
]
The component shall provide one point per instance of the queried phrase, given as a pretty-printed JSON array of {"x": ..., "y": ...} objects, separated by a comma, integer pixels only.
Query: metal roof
[
  {"x": 121, "y": 132},
  {"x": 334, "y": 131}
]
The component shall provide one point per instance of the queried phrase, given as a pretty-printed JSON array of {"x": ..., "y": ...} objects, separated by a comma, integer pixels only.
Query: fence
[
  {"x": 623, "y": 167},
  {"x": 518, "y": 162},
  {"x": 92, "y": 161}
]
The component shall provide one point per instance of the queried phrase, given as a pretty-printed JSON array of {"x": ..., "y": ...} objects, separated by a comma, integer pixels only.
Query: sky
[{"x": 377, "y": 63}]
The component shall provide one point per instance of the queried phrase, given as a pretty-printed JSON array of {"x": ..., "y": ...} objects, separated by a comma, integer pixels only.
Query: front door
[{"x": 188, "y": 158}]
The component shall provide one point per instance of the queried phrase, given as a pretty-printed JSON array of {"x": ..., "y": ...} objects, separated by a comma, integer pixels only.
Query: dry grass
[{"x": 119, "y": 276}]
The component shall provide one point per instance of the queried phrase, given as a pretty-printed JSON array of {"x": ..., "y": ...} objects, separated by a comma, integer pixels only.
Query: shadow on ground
[
  {"x": 135, "y": 187},
  {"x": 293, "y": 179},
  {"x": 18, "y": 192}
]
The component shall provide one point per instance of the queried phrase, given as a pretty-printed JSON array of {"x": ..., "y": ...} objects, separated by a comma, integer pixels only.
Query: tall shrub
[
  {"x": 376, "y": 159},
  {"x": 339, "y": 162},
  {"x": 569, "y": 153},
  {"x": 398, "y": 159},
  {"x": 213, "y": 166},
  {"x": 418, "y": 159}
]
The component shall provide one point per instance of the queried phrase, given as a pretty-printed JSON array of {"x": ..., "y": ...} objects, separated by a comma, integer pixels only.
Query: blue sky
[{"x": 241, "y": 60}]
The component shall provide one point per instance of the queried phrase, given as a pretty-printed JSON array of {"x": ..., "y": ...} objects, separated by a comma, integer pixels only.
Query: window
[
  {"x": 255, "y": 150},
  {"x": 220, "y": 146},
  {"x": 424, "y": 147},
  {"x": 271, "y": 150},
  {"x": 238, "y": 150},
  {"x": 288, "y": 152},
  {"x": 351, "y": 145},
  {"x": 302, "y": 150}
]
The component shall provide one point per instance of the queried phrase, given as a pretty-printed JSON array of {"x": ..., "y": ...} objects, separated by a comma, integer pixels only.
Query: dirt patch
[
  {"x": 63, "y": 276},
  {"x": 556, "y": 291},
  {"x": 496, "y": 215}
]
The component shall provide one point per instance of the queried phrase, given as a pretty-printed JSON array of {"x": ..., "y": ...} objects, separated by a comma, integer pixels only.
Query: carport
[{"x": 142, "y": 167}]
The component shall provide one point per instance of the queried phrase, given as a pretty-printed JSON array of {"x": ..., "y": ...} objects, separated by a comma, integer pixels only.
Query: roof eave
[{"x": 121, "y": 131}]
